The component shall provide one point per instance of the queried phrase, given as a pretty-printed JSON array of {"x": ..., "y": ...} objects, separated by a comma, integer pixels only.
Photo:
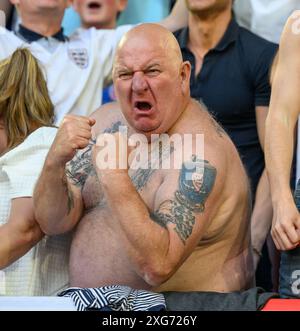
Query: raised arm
[
  {"x": 280, "y": 127},
  {"x": 158, "y": 242},
  {"x": 261, "y": 218},
  {"x": 178, "y": 17},
  {"x": 57, "y": 197},
  {"x": 20, "y": 233}
]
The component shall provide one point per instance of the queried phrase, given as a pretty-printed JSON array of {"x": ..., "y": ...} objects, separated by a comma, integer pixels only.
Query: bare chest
[{"x": 146, "y": 182}]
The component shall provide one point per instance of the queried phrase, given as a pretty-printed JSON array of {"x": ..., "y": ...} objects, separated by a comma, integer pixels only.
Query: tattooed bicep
[
  {"x": 195, "y": 183},
  {"x": 81, "y": 166}
]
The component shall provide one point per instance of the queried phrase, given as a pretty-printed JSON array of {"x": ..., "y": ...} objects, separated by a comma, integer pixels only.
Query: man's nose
[{"x": 139, "y": 82}]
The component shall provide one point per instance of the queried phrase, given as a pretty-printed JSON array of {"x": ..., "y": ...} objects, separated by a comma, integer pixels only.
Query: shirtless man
[{"x": 146, "y": 228}]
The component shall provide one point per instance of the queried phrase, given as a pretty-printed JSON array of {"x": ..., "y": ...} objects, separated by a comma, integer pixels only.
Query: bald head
[
  {"x": 150, "y": 78},
  {"x": 150, "y": 37}
]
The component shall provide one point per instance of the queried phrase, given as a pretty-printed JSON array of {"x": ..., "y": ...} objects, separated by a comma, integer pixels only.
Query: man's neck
[
  {"x": 205, "y": 33},
  {"x": 44, "y": 26}
]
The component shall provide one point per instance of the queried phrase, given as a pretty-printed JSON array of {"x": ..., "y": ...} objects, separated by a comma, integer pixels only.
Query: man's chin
[{"x": 147, "y": 129}]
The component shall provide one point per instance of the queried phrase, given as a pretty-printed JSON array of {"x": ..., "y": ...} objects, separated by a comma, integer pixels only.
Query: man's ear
[
  {"x": 122, "y": 4},
  {"x": 185, "y": 74}
]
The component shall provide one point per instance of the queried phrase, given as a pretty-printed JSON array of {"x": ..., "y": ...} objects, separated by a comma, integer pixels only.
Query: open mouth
[
  {"x": 143, "y": 105},
  {"x": 94, "y": 5}
]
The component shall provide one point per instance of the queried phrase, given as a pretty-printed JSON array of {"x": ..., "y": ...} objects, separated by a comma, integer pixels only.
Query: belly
[{"x": 98, "y": 257}]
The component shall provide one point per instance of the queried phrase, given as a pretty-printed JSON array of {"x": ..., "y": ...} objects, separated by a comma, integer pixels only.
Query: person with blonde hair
[{"x": 28, "y": 260}]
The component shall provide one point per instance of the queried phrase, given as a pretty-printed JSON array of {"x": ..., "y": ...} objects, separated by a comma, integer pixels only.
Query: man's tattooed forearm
[
  {"x": 196, "y": 181},
  {"x": 70, "y": 196},
  {"x": 172, "y": 211},
  {"x": 81, "y": 166}
]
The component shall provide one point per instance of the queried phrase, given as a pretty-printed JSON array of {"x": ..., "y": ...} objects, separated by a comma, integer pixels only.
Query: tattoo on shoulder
[
  {"x": 141, "y": 176},
  {"x": 196, "y": 181}
]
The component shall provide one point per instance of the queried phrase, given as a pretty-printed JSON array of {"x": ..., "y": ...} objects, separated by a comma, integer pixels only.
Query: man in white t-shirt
[
  {"x": 101, "y": 14},
  {"x": 75, "y": 67}
]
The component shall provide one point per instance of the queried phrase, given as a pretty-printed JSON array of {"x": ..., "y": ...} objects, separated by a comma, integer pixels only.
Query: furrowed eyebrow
[
  {"x": 153, "y": 66},
  {"x": 122, "y": 71}
]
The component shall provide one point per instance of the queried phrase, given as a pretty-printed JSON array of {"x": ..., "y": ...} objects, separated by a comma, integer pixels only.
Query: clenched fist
[{"x": 74, "y": 133}]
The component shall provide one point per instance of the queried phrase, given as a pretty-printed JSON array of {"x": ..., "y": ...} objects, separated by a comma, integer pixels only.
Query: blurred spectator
[
  {"x": 145, "y": 11},
  {"x": 7, "y": 8},
  {"x": 264, "y": 17},
  {"x": 280, "y": 142},
  {"x": 99, "y": 14},
  {"x": 102, "y": 15},
  {"x": 30, "y": 264},
  {"x": 137, "y": 11}
]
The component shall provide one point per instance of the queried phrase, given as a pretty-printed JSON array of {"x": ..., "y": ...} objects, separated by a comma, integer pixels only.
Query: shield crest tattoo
[{"x": 79, "y": 56}]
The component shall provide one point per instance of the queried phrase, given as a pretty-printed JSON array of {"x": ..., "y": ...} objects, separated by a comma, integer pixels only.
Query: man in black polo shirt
[{"x": 230, "y": 74}]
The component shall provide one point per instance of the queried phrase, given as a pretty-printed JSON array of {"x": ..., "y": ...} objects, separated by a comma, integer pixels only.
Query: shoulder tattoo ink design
[
  {"x": 196, "y": 181},
  {"x": 141, "y": 176}
]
